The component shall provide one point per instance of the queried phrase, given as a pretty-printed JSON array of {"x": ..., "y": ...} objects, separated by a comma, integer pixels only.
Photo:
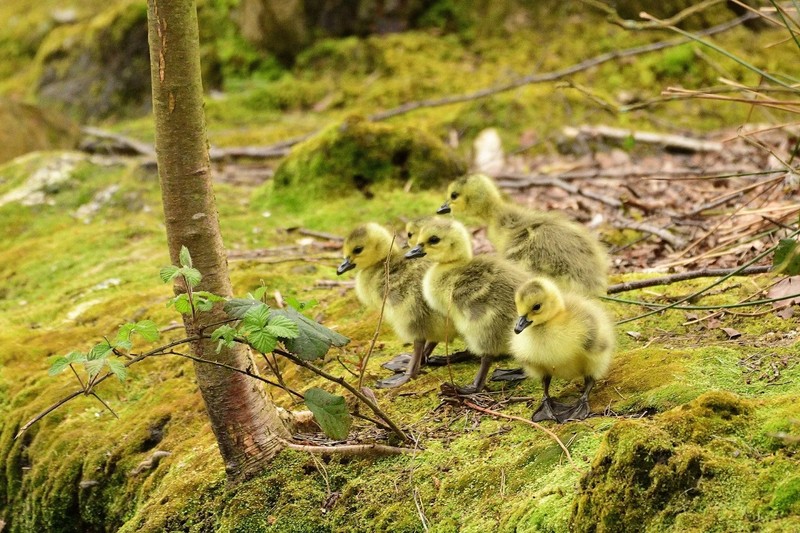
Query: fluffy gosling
[
  {"x": 543, "y": 243},
  {"x": 563, "y": 335}
]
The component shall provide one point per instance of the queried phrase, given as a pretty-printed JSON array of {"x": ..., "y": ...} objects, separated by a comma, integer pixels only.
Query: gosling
[
  {"x": 366, "y": 250},
  {"x": 543, "y": 243},
  {"x": 565, "y": 335},
  {"x": 477, "y": 293}
]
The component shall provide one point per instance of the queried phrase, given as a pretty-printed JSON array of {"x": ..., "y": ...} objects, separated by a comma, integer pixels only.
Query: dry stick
[
  {"x": 673, "y": 240},
  {"x": 530, "y": 423},
  {"x": 683, "y": 276},
  {"x": 319, "y": 234},
  {"x": 570, "y": 188},
  {"x": 554, "y": 75},
  {"x": 350, "y": 449},
  {"x": 233, "y": 369},
  {"x": 364, "y": 361},
  {"x": 99, "y": 399},
  {"x": 357, "y": 393},
  {"x": 756, "y": 259},
  {"x": 517, "y": 180},
  {"x": 664, "y": 139}
]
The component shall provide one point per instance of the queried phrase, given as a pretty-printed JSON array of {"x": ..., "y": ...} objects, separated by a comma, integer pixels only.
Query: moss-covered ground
[
  {"x": 696, "y": 432},
  {"x": 689, "y": 437}
]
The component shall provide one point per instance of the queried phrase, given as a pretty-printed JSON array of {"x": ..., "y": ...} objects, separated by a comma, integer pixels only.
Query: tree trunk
[{"x": 243, "y": 419}]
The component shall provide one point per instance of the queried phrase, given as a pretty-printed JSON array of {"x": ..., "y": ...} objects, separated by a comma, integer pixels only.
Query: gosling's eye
[
  {"x": 357, "y": 250},
  {"x": 434, "y": 240},
  {"x": 536, "y": 308},
  {"x": 410, "y": 234},
  {"x": 453, "y": 195}
]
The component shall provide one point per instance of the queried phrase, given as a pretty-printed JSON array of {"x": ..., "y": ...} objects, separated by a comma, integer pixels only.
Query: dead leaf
[
  {"x": 785, "y": 287},
  {"x": 635, "y": 334},
  {"x": 731, "y": 333}
]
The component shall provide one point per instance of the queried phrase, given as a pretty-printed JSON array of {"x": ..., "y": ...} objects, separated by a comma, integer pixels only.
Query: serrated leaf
[
  {"x": 94, "y": 366},
  {"x": 123, "y": 345},
  {"x": 313, "y": 339},
  {"x": 147, "y": 329},
  {"x": 203, "y": 304},
  {"x": 99, "y": 351},
  {"x": 256, "y": 317},
  {"x": 168, "y": 273},
  {"x": 282, "y": 327},
  {"x": 786, "y": 259},
  {"x": 184, "y": 257},
  {"x": 58, "y": 366},
  {"x": 192, "y": 276},
  {"x": 224, "y": 332},
  {"x": 262, "y": 340},
  {"x": 238, "y": 307},
  {"x": 181, "y": 304},
  {"x": 75, "y": 357},
  {"x": 118, "y": 368},
  {"x": 330, "y": 411},
  {"x": 125, "y": 331},
  {"x": 210, "y": 296}
]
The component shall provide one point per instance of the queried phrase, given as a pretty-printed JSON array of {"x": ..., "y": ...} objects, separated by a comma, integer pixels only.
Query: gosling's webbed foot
[
  {"x": 507, "y": 374},
  {"x": 468, "y": 389},
  {"x": 579, "y": 411},
  {"x": 398, "y": 363},
  {"x": 393, "y": 381},
  {"x": 443, "y": 360},
  {"x": 550, "y": 410}
]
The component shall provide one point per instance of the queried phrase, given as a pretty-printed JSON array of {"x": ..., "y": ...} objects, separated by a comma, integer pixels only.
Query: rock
[
  {"x": 489, "y": 157},
  {"x": 359, "y": 154},
  {"x": 43, "y": 130},
  {"x": 49, "y": 173}
]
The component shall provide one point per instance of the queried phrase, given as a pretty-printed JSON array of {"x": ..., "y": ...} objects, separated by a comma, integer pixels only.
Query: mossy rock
[
  {"x": 44, "y": 130},
  {"x": 359, "y": 154},
  {"x": 636, "y": 474}
]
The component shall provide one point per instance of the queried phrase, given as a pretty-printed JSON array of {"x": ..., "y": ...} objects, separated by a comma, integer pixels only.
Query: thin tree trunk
[{"x": 245, "y": 422}]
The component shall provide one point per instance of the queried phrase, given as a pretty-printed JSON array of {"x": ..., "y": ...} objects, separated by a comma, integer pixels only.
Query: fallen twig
[
  {"x": 319, "y": 234},
  {"x": 675, "y": 241},
  {"x": 668, "y": 140},
  {"x": 683, "y": 276},
  {"x": 545, "y": 181},
  {"x": 350, "y": 449},
  {"x": 530, "y": 423}
]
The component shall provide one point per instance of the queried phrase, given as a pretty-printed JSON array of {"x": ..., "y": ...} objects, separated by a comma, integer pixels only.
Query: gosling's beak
[
  {"x": 416, "y": 251},
  {"x": 444, "y": 209},
  {"x": 522, "y": 323},
  {"x": 345, "y": 266}
]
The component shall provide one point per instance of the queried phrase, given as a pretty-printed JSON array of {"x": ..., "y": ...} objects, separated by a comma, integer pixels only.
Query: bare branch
[
  {"x": 351, "y": 449},
  {"x": 683, "y": 276}
]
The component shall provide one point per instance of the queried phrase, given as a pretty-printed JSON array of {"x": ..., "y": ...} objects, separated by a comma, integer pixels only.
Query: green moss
[{"x": 358, "y": 155}]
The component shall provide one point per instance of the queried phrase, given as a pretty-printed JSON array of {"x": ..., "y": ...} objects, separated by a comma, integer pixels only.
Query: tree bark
[{"x": 246, "y": 424}]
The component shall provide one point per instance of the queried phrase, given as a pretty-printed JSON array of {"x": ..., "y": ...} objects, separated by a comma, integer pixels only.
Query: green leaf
[
  {"x": 330, "y": 412},
  {"x": 168, "y": 273},
  {"x": 259, "y": 293},
  {"x": 224, "y": 332},
  {"x": 118, "y": 368},
  {"x": 125, "y": 331},
  {"x": 185, "y": 258},
  {"x": 262, "y": 340},
  {"x": 787, "y": 258},
  {"x": 192, "y": 276},
  {"x": 94, "y": 366},
  {"x": 203, "y": 304},
  {"x": 225, "y": 335},
  {"x": 238, "y": 307},
  {"x": 59, "y": 365},
  {"x": 256, "y": 317},
  {"x": 100, "y": 351},
  {"x": 313, "y": 339},
  {"x": 210, "y": 296},
  {"x": 75, "y": 357},
  {"x": 301, "y": 306},
  {"x": 123, "y": 345},
  {"x": 181, "y": 304},
  {"x": 147, "y": 329},
  {"x": 282, "y": 327}
]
